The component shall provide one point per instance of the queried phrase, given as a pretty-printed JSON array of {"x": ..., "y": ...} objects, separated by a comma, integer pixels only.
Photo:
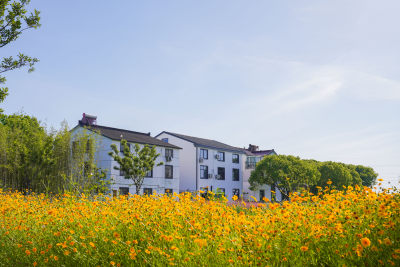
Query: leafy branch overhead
[
  {"x": 14, "y": 19},
  {"x": 136, "y": 164}
]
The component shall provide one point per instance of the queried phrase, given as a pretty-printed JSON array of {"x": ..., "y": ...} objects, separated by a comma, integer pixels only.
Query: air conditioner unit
[
  {"x": 168, "y": 158},
  {"x": 210, "y": 175},
  {"x": 217, "y": 176},
  {"x": 217, "y": 156},
  {"x": 200, "y": 160}
]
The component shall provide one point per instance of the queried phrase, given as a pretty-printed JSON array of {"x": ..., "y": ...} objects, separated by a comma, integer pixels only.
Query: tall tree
[
  {"x": 135, "y": 164},
  {"x": 287, "y": 173},
  {"x": 367, "y": 174},
  {"x": 14, "y": 19},
  {"x": 340, "y": 174}
]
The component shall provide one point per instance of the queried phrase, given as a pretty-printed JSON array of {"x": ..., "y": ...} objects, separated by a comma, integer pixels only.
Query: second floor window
[
  {"x": 122, "y": 173},
  {"x": 221, "y": 173},
  {"x": 235, "y": 174},
  {"x": 203, "y": 153},
  {"x": 169, "y": 172},
  {"x": 164, "y": 140},
  {"x": 221, "y": 156},
  {"x": 203, "y": 172},
  {"x": 149, "y": 174},
  {"x": 121, "y": 147},
  {"x": 235, "y": 158},
  {"x": 169, "y": 153}
]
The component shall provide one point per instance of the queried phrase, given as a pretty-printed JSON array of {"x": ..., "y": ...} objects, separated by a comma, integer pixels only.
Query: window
[
  {"x": 221, "y": 173},
  {"x": 235, "y": 158},
  {"x": 169, "y": 172},
  {"x": 122, "y": 173},
  {"x": 262, "y": 195},
  {"x": 236, "y": 192},
  {"x": 203, "y": 153},
  {"x": 164, "y": 140},
  {"x": 124, "y": 190},
  {"x": 220, "y": 192},
  {"x": 235, "y": 174},
  {"x": 121, "y": 147},
  {"x": 169, "y": 153},
  {"x": 147, "y": 191},
  {"x": 203, "y": 172},
  {"x": 168, "y": 191},
  {"x": 221, "y": 156},
  {"x": 149, "y": 174},
  {"x": 204, "y": 191}
]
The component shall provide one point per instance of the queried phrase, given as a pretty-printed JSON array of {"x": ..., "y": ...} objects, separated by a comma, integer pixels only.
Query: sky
[{"x": 315, "y": 79}]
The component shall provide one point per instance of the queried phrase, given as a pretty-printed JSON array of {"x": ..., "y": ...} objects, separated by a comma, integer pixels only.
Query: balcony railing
[{"x": 250, "y": 165}]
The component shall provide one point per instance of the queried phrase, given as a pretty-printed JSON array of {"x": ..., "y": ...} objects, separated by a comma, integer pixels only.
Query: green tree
[
  {"x": 14, "y": 19},
  {"x": 135, "y": 164},
  {"x": 339, "y": 173},
  {"x": 367, "y": 174},
  {"x": 287, "y": 173},
  {"x": 31, "y": 158}
]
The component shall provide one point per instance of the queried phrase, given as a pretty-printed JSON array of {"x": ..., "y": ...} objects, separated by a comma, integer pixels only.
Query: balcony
[{"x": 250, "y": 165}]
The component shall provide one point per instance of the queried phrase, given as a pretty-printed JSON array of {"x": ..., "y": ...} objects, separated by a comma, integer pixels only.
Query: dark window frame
[
  {"x": 233, "y": 174},
  {"x": 124, "y": 191},
  {"x": 219, "y": 153},
  {"x": 172, "y": 172},
  {"x": 147, "y": 189},
  {"x": 203, "y": 168},
  {"x": 149, "y": 176},
  {"x": 203, "y": 153},
  {"x": 234, "y": 156},
  {"x": 236, "y": 192},
  {"x": 170, "y": 152},
  {"x": 168, "y": 191},
  {"x": 221, "y": 177}
]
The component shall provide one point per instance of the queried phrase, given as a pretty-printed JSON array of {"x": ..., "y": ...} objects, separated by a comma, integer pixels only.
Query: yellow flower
[
  {"x": 112, "y": 263},
  {"x": 329, "y": 182},
  {"x": 365, "y": 242}
]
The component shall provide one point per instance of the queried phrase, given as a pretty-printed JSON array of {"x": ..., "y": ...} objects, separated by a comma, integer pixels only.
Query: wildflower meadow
[{"x": 356, "y": 226}]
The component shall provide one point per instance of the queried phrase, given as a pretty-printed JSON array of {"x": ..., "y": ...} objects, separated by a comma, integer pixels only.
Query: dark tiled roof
[
  {"x": 130, "y": 136},
  {"x": 264, "y": 152},
  {"x": 206, "y": 142}
]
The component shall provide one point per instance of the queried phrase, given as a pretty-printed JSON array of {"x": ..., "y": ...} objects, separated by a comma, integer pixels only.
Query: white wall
[
  {"x": 158, "y": 183},
  {"x": 187, "y": 179},
  {"x": 228, "y": 184}
]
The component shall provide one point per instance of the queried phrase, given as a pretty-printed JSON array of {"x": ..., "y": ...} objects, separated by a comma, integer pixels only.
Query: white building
[
  {"x": 163, "y": 179},
  {"x": 207, "y": 164},
  {"x": 251, "y": 157}
]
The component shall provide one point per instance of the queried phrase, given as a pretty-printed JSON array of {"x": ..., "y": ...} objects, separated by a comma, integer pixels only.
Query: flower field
[{"x": 353, "y": 227}]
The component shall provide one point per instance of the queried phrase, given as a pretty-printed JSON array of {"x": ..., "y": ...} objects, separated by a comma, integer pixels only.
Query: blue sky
[{"x": 316, "y": 79}]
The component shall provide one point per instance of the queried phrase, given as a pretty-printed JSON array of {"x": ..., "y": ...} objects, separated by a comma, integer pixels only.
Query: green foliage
[
  {"x": 135, "y": 164},
  {"x": 287, "y": 173},
  {"x": 45, "y": 162},
  {"x": 340, "y": 174},
  {"x": 14, "y": 19},
  {"x": 367, "y": 175}
]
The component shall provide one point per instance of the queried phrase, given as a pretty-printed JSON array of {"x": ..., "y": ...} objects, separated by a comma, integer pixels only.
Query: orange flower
[
  {"x": 365, "y": 242},
  {"x": 304, "y": 248},
  {"x": 27, "y": 252}
]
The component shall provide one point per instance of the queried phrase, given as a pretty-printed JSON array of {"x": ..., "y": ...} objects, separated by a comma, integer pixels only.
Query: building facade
[
  {"x": 207, "y": 165},
  {"x": 162, "y": 179},
  {"x": 251, "y": 157}
]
